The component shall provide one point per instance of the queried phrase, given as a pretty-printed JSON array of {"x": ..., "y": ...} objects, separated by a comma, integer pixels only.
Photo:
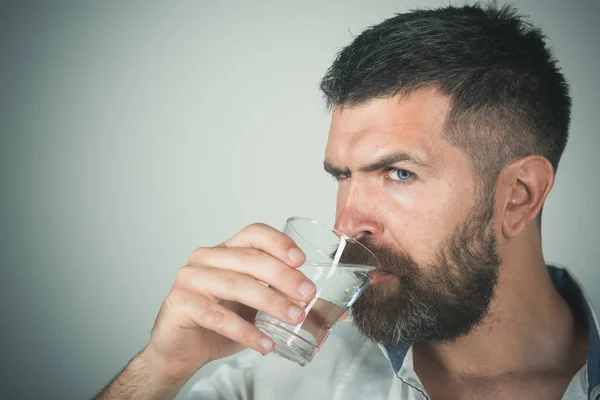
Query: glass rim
[{"x": 343, "y": 235}]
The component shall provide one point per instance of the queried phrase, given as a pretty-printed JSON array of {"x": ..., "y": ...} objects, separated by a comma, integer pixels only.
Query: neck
[{"x": 529, "y": 327}]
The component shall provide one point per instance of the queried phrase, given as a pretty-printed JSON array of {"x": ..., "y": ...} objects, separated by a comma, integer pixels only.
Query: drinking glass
[{"x": 339, "y": 266}]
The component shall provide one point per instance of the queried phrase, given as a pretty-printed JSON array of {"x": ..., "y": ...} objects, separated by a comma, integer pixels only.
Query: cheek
[
  {"x": 413, "y": 216},
  {"x": 416, "y": 218},
  {"x": 422, "y": 217},
  {"x": 419, "y": 204}
]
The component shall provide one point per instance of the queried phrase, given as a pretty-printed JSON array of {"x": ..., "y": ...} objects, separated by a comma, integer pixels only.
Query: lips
[{"x": 378, "y": 275}]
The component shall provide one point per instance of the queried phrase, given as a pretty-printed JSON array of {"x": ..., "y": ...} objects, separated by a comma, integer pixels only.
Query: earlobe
[{"x": 529, "y": 181}]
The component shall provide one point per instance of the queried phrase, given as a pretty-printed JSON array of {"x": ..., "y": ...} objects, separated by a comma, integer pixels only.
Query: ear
[{"x": 523, "y": 188}]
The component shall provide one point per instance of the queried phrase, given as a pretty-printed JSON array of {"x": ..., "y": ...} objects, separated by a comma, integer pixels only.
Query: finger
[
  {"x": 268, "y": 239},
  {"x": 344, "y": 316},
  {"x": 229, "y": 285},
  {"x": 259, "y": 265},
  {"x": 225, "y": 322}
]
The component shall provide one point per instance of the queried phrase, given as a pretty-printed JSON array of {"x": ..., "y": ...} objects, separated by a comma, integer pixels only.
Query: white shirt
[{"x": 349, "y": 367}]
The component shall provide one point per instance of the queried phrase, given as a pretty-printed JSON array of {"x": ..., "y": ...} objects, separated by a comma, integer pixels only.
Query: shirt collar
[{"x": 573, "y": 293}]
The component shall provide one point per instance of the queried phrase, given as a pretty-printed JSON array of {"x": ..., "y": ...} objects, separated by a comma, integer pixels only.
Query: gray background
[{"x": 133, "y": 132}]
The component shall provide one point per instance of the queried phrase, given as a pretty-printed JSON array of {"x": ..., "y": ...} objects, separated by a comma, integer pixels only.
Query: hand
[{"x": 209, "y": 312}]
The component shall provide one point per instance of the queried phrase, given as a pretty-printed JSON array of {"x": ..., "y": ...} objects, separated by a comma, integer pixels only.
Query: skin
[
  {"x": 208, "y": 312},
  {"x": 512, "y": 345}
]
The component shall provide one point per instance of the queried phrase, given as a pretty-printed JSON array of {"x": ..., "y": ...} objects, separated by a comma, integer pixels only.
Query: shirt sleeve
[{"x": 234, "y": 380}]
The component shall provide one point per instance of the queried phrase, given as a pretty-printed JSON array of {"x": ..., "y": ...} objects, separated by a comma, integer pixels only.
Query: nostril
[
  {"x": 357, "y": 223},
  {"x": 356, "y": 232},
  {"x": 362, "y": 235}
]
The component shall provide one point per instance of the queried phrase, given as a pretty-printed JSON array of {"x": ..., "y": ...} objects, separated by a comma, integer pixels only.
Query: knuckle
[
  {"x": 283, "y": 241},
  {"x": 250, "y": 336},
  {"x": 291, "y": 276},
  {"x": 216, "y": 319},
  {"x": 183, "y": 276},
  {"x": 198, "y": 254},
  {"x": 256, "y": 227},
  {"x": 274, "y": 300},
  {"x": 282, "y": 275},
  {"x": 255, "y": 230}
]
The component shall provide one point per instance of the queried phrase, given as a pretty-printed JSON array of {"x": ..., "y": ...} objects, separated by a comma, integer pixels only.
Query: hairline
[{"x": 485, "y": 180}]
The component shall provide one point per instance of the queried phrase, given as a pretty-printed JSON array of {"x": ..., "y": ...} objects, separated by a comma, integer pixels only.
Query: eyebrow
[{"x": 382, "y": 163}]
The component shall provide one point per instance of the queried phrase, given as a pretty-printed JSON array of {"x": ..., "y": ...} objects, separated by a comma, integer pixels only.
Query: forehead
[{"x": 412, "y": 123}]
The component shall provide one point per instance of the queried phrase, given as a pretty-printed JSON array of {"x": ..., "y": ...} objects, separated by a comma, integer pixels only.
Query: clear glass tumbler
[{"x": 339, "y": 266}]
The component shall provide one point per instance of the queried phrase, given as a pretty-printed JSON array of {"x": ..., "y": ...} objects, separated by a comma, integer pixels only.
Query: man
[{"x": 447, "y": 130}]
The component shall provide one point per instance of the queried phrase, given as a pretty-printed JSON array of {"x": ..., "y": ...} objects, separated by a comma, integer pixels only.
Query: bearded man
[{"x": 446, "y": 134}]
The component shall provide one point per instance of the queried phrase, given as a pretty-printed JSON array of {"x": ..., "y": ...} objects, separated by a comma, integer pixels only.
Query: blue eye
[{"x": 397, "y": 174}]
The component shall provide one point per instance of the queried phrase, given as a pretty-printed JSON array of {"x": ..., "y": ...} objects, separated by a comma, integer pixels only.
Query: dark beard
[{"x": 439, "y": 302}]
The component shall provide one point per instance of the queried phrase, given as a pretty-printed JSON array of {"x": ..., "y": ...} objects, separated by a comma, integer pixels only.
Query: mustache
[{"x": 390, "y": 260}]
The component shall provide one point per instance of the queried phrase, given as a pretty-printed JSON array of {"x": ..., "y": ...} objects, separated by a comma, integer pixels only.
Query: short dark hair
[{"x": 508, "y": 96}]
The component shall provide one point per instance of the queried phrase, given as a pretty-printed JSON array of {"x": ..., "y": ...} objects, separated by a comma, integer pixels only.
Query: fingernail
[
  {"x": 306, "y": 288},
  {"x": 266, "y": 343},
  {"x": 294, "y": 311},
  {"x": 295, "y": 255}
]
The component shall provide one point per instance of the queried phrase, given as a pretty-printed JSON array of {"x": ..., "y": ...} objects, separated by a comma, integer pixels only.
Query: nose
[{"x": 357, "y": 219}]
